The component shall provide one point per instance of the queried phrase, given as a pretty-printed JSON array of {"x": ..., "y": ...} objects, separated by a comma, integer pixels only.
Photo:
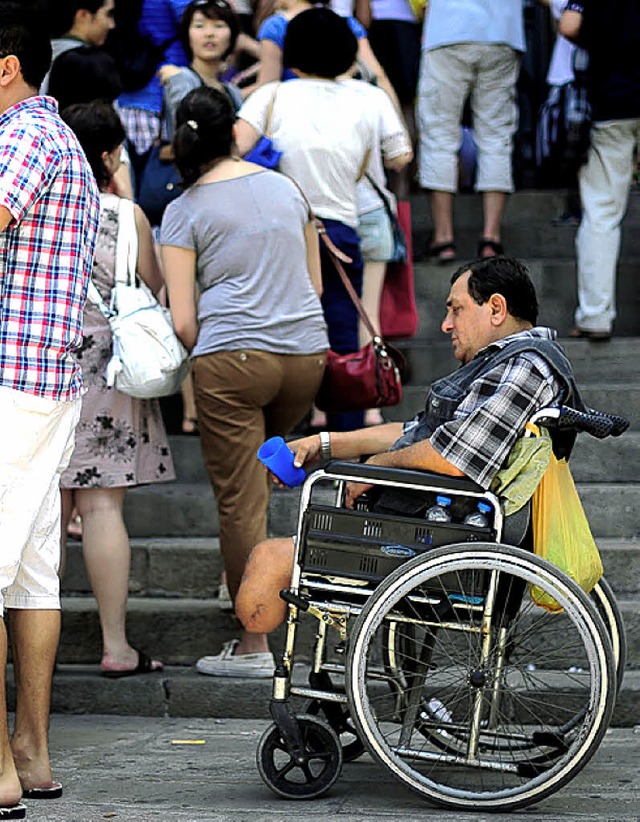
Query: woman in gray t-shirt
[{"x": 242, "y": 265}]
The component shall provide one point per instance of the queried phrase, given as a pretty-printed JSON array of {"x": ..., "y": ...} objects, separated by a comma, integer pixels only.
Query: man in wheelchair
[{"x": 510, "y": 368}]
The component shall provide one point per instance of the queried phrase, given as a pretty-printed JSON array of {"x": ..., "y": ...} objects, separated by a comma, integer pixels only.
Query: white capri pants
[
  {"x": 36, "y": 443},
  {"x": 605, "y": 181},
  {"x": 448, "y": 75}
]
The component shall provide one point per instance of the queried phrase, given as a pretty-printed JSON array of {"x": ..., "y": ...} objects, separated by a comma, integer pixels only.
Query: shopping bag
[
  {"x": 561, "y": 533},
  {"x": 398, "y": 311}
]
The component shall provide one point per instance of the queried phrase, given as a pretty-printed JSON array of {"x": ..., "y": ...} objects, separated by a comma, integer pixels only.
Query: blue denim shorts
[{"x": 376, "y": 236}]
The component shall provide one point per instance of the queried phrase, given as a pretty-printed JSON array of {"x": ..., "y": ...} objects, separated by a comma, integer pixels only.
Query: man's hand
[
  {"x": 306, "y": 453},
  {"x": 353, "y": 491}
]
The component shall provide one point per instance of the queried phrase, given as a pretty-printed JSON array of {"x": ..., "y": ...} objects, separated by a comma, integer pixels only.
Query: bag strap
[
  {"x": 272, "y": 102},
  {"x": 126, "y": 244},
  {"x": 93, "y": 295},
  {"x": 383, "y": 197}
]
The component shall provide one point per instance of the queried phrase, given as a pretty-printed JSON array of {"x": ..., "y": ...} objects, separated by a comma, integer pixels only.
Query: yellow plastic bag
[{"x": 561, "y": 533}]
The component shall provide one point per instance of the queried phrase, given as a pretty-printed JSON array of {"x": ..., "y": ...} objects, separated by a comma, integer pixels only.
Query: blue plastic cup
[{"x": 276, "y": 455}]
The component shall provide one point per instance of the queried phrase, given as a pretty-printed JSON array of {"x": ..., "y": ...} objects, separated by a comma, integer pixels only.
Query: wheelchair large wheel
[
  {"x": 604, "y": 599},
  {"x": 504, "y": 702},
  {"x": 300, "y": 780}
]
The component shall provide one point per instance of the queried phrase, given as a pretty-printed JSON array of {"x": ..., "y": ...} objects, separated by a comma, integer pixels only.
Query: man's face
[
  {"x": 99, "y": 24},
  {"x": 468, "y": 323}
]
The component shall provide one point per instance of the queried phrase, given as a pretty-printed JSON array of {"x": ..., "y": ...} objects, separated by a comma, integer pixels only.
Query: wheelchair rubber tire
[
  {"x": 289, "y": 780},
  {"x": 491, "y": 779},
  {"x": 604, "y": 599}
]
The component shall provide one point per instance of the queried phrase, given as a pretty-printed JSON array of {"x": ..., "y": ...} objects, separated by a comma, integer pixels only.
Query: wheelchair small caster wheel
[
  {"x": 340, "y": 720},
  {"x": 310, "y": 779}
]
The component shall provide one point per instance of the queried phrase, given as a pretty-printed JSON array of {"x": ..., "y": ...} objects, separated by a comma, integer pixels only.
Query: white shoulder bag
[{"x": 148, "y": 359}]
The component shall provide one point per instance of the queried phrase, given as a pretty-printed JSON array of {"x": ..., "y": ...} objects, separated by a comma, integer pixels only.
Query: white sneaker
[{"x": 244, "y": 666}]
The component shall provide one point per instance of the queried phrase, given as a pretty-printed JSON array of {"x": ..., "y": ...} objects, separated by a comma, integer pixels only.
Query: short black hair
[
  {"x": 82, "y": 75},
  {"x": 506, "y": 276},
  {"x": 204, "y": 131},
  {"x": 98, "y": 129},
  {"x": 319, "y": 42},
  {"x": 66, "y": 10},
  {"x": 214, "y": 10},
  {"x": 24, "y": 33}
]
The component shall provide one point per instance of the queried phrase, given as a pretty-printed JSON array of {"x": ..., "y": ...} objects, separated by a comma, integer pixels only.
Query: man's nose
[{"x": 446, "y": 324}]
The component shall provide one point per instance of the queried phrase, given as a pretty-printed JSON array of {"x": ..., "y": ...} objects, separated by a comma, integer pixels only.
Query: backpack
[
  {"x": 136, "y": 56},
  {"x": 564, "y": 123}
]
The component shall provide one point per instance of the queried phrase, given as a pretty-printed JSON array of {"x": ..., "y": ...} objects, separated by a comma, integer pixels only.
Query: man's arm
[{"x": 571, "y": 21}]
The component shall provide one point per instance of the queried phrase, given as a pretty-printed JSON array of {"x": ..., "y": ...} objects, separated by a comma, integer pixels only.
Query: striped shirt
[{"x": 46, "y": 251}]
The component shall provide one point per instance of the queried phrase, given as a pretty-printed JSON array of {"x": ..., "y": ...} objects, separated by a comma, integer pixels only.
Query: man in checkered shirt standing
[{"x": 48, "y": 223}]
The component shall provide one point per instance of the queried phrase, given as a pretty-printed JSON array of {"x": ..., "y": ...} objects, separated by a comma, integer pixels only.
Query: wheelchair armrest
[{"x": 381, "y": 473}]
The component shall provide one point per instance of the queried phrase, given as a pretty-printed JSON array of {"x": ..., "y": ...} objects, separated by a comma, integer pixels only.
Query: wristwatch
[{"x": 325, "y": 445}]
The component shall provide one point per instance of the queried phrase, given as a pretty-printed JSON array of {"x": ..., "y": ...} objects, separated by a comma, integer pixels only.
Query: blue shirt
[
  {"x": 159, "y": 22},
  {"x": 450, "y": 22},
  {"x": 274, "y": 28}
]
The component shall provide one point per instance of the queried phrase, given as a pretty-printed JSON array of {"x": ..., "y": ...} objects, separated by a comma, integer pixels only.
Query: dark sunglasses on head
[{"x": 220, "y": 4}]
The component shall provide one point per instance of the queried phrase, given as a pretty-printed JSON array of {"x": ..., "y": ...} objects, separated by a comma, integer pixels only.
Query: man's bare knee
[{"x": 268, "y": 570}]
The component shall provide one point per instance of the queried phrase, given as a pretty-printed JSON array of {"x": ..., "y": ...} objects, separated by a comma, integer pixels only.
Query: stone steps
[
  {"x": 181, "y": 692},
  {"x": 613, "y": 398},
  {"x": 611, "y": 507},
  {"x": 179, "y": 631},
  {"x": 173, "y": 568}
]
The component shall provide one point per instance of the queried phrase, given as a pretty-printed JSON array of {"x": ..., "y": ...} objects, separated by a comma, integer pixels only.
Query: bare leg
[
  {"x": 267, "y": 572},
  {"x": 189, "y": 410},
  {"x": 34, "y": 641},
  {"x": 107, "y": 557},
  {"x": 10, "y": 788},
  {"x": 372, "y": 283},
  {"x": 442, "y": 217},
  {"x": 493, "y": 203}
]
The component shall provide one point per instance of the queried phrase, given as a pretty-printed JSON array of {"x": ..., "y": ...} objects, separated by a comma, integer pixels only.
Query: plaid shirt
[
  {"x": 492, "y": 416},
  {"x": 46, "y": 251}
]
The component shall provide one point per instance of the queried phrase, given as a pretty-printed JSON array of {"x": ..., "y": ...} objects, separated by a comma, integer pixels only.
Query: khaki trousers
[{"x": 243, "y": 398}]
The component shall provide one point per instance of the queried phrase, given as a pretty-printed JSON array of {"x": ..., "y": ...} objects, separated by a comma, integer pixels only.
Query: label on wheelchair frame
[{"x": 398, "y": 551}]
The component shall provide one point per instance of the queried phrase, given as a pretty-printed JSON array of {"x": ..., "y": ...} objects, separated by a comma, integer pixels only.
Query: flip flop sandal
[
  {"x": 485, "y": 244},
  {"x": 144, "y": 666},
  {"x": 54, "y": 792},
  {"x": 443, "y": 252},
  {"x": 18, "y": 811}
]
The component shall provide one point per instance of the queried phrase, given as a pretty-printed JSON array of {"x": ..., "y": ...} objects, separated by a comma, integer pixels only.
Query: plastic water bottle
[
  {"x": 441, "y": 511},
  {"x": 479, "y": 517}
]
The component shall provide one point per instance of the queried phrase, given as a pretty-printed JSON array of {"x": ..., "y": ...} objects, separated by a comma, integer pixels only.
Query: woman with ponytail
[{"x": 243, "y": 274}]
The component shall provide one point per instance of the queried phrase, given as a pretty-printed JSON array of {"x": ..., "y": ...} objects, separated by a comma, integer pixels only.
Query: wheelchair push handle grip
[{"x": 596, "y": 423}]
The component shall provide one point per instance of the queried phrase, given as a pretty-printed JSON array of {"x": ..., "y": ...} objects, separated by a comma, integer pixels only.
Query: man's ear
[
  {"x": 10, "y": 70},
  {"x": 499, "y": 310}
]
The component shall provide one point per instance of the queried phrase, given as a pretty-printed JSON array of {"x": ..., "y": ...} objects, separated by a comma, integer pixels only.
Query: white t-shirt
[
  {"x": 449, "y": 22},
  {"x": 324, "y": 129},
  {"x": 342, "y": 7},
  {"x": 391, "y": 140}
]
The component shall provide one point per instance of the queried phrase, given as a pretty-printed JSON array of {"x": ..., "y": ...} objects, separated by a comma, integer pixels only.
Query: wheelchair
[{"x": 429, "y": 652}]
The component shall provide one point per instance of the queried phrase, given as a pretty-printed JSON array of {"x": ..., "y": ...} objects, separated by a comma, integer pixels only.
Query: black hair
[
  {"x": 24, "y": 33},
  {"x": 82, "y": 75},
  {"x": 506, "y": 276},
  {"x": 319, "y": 42},
  {"x": 214, "y": 10},
  {"x": 204, "y": 131},
  {"x": 66, "y": 10},
  {"x": 98, "y": 129}
]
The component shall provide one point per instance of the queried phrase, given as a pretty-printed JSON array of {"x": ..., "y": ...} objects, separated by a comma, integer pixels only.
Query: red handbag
[
  {"x": 368, "y": 378},
  {"x": 398, "y": 311}
]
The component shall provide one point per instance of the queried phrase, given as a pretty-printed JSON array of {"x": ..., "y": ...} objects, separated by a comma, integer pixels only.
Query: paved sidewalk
[{"x": 129, "y": 769}]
